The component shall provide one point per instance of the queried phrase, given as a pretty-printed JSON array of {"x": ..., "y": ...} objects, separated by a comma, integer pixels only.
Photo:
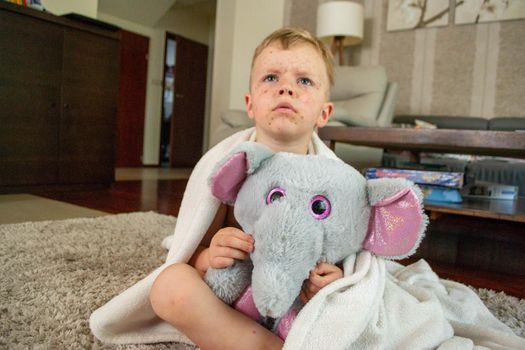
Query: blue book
[{"x": 420, "y": 177}]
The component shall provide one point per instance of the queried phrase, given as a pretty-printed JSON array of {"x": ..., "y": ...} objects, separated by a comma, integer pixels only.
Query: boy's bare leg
[{"x": 181, "y": 297}]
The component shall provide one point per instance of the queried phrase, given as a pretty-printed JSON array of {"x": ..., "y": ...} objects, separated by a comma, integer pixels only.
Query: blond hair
[{"x": 290, "y": 36}]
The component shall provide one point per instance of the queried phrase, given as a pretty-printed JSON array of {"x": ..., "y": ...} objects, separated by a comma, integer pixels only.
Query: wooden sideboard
[
  {"x": 58, "y": 96},
  {"x": 479, "y": 142}
]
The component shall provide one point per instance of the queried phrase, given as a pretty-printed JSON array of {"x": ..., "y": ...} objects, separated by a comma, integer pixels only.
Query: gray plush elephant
[{"x": 304, "y": 209}]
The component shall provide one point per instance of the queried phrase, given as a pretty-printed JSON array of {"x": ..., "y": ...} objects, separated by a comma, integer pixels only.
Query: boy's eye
[
  {"x": 305, "y": 81},
  {"x": 270, "y": 77}
]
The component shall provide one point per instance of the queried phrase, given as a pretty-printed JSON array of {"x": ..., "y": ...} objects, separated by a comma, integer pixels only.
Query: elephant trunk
[
  {"x": 275, "y": 291},
  {"x": 282, "y": 260}
]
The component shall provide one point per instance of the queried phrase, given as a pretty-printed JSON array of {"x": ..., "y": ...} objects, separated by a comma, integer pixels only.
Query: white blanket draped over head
[{"x": 377, "y": 305}]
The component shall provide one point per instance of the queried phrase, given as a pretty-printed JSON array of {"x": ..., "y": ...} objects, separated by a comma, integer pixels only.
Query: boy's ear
[
  {"x": 326, "y": 113},
  {"x": 249, "y": 104}
]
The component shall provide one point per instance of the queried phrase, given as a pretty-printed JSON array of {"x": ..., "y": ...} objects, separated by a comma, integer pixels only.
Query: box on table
[{"x": 420, "y": 177}]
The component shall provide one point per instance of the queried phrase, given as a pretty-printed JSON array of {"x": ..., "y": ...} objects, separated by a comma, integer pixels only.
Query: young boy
[{"x": 289, "y": 90}]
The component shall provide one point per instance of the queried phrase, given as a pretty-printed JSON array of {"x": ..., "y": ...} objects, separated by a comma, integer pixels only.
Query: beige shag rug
[{"x": 55, "y": 273}]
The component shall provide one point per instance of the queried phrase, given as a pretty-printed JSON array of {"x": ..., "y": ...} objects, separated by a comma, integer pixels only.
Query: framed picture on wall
[
  {"x": 479, "y": 11},
  {"x": 412, "y": 14}
]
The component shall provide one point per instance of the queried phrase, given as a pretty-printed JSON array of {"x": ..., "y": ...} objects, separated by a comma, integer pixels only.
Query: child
[{"x": 289, "y": 89}]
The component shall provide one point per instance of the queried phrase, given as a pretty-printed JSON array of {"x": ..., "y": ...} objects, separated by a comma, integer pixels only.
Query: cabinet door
[
  {"x": 30, "y": 81},
  {"x": 89, "y": 99}
]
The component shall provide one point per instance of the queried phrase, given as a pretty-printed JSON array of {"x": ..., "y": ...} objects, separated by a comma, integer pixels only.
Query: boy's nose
[{"x": 284, "y": 91}]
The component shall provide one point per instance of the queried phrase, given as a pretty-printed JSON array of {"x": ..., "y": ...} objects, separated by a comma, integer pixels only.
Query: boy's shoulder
[
  {"x": 225, "y": 146},
  {"x": 232, "y": 141}
]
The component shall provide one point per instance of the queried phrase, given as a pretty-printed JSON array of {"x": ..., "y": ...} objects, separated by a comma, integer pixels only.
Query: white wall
[
  {"x": 222, "y": 61},
  {"x": 239, "y": 27},
  {"x": 188, "y": 23},
  {"x": 83, "y": 7}
]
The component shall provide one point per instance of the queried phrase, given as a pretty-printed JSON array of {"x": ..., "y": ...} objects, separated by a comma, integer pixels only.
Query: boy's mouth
[{"x": 284, "y": 107}]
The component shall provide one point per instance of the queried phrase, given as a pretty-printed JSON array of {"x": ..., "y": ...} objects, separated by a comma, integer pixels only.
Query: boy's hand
[
  {"x": 227, "y": 245},
  {"x": 322, "y": 275}
]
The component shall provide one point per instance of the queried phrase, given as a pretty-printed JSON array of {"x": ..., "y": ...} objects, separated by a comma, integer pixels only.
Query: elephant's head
[{"x": 305, "y": 209}]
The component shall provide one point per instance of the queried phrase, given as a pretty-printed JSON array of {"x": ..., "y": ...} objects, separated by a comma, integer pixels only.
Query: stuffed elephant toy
[{"x": 304, "y": 209}]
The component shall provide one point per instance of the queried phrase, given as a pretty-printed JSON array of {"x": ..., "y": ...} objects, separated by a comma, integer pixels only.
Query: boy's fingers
[
  {"x": 232, "y": 231},
  {"x": 321, "y": 281},
  {"x": 235, "y": 238},
  {"x": 235, "y": 242},
  {"x": 325, "y": 268},
  {"x": 317, "y": 280},
  {"x": 227, "y": 252},
  {"x": 220, "y": 262}
]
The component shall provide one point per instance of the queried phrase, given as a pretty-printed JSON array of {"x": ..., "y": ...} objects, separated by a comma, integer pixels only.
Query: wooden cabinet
[{"x": 58, "y": 97}]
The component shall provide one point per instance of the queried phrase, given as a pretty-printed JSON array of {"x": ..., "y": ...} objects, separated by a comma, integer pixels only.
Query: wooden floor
[{"x": 164, "y": 196}]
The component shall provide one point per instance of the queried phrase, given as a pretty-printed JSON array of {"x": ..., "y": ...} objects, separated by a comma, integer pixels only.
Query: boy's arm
[
  {"x": 200, "y": 259},
  {"x": 221, "y": 246}
]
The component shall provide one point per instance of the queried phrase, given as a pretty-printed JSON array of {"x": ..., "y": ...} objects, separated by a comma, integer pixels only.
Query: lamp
[{"x": 341, "y": 23}]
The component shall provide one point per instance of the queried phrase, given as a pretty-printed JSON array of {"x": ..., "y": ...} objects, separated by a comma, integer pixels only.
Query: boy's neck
[{"x": 295, "y": 146}]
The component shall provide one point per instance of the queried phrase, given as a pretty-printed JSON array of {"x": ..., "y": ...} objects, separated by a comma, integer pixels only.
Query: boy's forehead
[{"x": 299, "y": 55}]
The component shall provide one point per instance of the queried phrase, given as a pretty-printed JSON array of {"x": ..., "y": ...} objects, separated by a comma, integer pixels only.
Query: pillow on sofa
[
  {"x": 358, "y": 94},
  {"x": 237, "y": 118},
  {"x": 360, "y": 111}
]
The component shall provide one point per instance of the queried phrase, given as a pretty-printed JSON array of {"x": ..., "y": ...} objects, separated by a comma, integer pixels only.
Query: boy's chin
[{"x": 285, "y": 131}]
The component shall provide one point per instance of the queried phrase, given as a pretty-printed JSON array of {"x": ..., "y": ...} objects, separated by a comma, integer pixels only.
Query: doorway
[
  {"x": 167, "y": 99},
  {"x": 183, "y": 102},
  {"x": 131, "y": 99}
]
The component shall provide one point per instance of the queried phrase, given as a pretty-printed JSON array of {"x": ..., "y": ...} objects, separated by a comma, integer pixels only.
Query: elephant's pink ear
[
  {"x": 228, "y": 179},
  {"x": 396, "y": 225}
]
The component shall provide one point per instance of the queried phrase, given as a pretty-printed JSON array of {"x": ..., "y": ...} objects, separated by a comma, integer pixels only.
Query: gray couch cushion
[
  {"x": 507, "y": 123},
  {"x": 446, "y": 122},
  {"x": 359, "y": 111},
  {"x": 236, "y": 118}
]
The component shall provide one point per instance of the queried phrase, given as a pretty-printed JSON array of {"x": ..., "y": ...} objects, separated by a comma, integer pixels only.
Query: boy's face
[{"x": 288, "y": 92}]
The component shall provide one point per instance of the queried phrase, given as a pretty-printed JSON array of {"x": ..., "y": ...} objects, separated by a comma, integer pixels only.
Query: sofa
[
  {"x": 362, "y": 96},
  {"x": 508, "y": 171}
]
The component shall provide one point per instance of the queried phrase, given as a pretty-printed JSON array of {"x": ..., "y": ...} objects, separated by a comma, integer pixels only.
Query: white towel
[{"x": 383, "y": 305}]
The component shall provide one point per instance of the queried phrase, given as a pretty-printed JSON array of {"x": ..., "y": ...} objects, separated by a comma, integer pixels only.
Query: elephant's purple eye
[
  {"x": 320, "y": 207},
  {"x": 274, "y": 195}
]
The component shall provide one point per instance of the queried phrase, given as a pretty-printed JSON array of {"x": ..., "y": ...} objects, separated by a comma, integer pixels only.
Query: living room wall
[{"x": 460, "y": 70}]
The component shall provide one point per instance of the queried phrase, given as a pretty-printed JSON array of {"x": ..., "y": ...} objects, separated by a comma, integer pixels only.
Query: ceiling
[{"x": 148, "y": 13}]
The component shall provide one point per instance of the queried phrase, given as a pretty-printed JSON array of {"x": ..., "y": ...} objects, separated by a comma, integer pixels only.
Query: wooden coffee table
[{"x": 478, "y": 142}]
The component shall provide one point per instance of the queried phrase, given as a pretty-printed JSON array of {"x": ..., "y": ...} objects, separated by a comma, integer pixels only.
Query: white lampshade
[{"x": 340, "y": 18}]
